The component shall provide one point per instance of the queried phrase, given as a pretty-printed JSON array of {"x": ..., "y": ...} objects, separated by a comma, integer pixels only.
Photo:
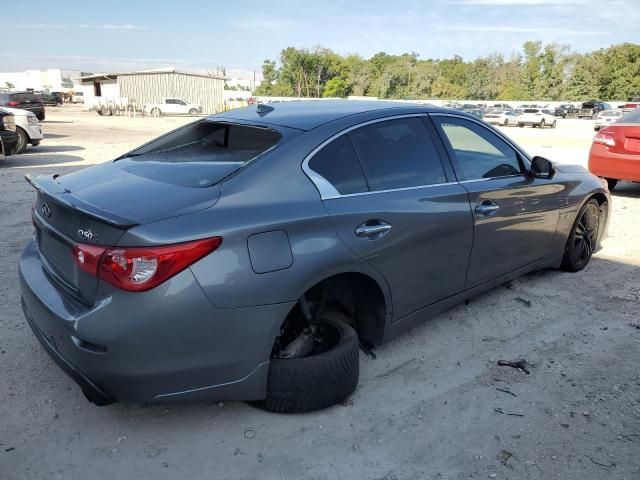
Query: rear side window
[
  {"x": 398, "y": 153},
  {"x": 478, "y": 152},
  {"x": 200, "y": 154},
  {"x": 339, "y": 165}
]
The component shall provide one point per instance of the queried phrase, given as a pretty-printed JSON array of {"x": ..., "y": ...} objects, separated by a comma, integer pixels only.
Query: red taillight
[
  {"x": 605, "y": 139},
  {"x": 137, "y": 269},
  {"x": 12, "y": 103},
  {"x": 87, "y": 257}
]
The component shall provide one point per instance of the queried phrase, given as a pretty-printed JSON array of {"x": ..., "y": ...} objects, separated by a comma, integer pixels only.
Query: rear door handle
[
  {"x": 372, "y": 229},
  {"x": 486, "y": 209}
]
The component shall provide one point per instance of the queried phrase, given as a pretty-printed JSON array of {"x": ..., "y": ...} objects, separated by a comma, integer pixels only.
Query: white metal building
[
  {"x": 152, "y": 86},
  {"x": 51, "y": 79}
]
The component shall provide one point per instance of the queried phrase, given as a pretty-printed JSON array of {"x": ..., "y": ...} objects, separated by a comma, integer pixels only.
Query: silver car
[
  {"x": 607, "y": 117},
  {"x": 248, "y": 255}
]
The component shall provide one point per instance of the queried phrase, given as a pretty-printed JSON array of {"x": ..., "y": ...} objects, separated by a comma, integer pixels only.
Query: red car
[{"x": 615, "y": 151}]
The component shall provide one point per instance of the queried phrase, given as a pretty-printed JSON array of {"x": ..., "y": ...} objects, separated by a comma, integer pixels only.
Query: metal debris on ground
[
  {"x": 518, "y": 364},
  {"x": 523, "y": 301},
  {"x": 511, "y": 414},
  {"x": 504, "y": 390},
  {"x": 367, "y": 349},
  {"x": 610, "y": 465}
]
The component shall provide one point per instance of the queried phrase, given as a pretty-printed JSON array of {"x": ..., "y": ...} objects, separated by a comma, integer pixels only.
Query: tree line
[{"x": 541, "y": 72}]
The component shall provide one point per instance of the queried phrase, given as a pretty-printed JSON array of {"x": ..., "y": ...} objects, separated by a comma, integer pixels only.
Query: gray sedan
[{"x": 249, "y": 255}]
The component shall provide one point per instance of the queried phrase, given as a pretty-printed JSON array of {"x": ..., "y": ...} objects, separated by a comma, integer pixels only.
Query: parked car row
[{"x": 534, "y": 117}]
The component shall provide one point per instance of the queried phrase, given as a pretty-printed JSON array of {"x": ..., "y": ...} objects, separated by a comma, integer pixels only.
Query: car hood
[
  {"x": 18, "y": 112},
  {"x": 118, "y": 196},
  {"x": 571, "y": 168}
]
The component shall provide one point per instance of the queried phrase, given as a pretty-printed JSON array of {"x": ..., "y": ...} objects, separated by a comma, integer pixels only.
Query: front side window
[
  {"x": 338, "y": 164},
  {"x": 478, "y": 152},
  {"x": 398, "y": 153}
]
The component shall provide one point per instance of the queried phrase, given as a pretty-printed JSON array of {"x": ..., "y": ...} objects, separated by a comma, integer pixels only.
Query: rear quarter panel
[{"x": 271, "y": 195}]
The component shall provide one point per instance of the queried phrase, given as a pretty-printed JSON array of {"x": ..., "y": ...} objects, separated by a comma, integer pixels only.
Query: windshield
[{"x": 200, "y": 154}]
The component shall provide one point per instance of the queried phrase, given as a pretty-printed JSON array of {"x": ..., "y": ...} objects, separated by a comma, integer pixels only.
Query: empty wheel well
[{"x": 354, "y": 298}]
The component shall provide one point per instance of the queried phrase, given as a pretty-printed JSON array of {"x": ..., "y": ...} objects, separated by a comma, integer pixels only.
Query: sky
[{"x": 119, "y": 35}]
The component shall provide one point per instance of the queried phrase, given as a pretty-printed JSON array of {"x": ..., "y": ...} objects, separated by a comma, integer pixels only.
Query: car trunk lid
[
  {"x": 96, "y": 208},
  {"x": 626, "y": 136}
]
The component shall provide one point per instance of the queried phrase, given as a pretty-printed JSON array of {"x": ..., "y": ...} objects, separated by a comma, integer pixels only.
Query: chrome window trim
[
  {"x": 327, "y": 190},
  {"x": 401, "y": 189}
]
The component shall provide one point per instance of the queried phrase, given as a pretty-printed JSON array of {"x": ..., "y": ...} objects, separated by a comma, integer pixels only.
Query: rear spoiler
[{"x": 49, "y": 186}]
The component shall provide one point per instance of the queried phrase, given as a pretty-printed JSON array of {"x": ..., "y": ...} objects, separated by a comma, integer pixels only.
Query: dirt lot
[{"x": 428, "y": 407}]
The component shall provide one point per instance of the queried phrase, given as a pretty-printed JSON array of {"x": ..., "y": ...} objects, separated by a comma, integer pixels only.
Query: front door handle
[
  {"x": 486, "y": 209},
  {"x": 373, "y": 229}
]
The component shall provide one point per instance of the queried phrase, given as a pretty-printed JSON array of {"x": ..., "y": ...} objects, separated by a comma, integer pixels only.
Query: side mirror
[{"x": 542, "y": 168}]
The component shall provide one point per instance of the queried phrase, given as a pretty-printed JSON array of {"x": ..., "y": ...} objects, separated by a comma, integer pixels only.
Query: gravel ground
[{"x": 434, "y": 404}]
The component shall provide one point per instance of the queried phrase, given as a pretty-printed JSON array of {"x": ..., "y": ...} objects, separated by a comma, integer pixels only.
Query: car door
[
  {"x": 180, "y": 106},
  {"x": 515, "y": 215},
  {"x": 393, "y": 205},
  {"x": 170, "y": 106}
]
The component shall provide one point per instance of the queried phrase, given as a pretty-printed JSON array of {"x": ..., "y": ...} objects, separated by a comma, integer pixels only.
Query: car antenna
[{"x": 263, "y": 109}]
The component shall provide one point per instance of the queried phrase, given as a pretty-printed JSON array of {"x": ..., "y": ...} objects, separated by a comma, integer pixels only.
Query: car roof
[{"x": 309, "y": 114}]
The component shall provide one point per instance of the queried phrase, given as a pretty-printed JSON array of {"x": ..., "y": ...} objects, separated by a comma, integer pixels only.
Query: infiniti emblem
[{"x": 46, "y": 210}]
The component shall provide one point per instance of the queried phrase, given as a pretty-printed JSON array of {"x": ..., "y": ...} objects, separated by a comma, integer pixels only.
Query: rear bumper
[
  {"x": 169, "y": 343},
  {"x": 90, "y": 390},
  {"x": 618, "y": 166},
  {"x": 35, "y": 134}
]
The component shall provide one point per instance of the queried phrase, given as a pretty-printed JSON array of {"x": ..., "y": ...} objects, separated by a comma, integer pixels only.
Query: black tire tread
[
  {"x": 568, "y": 264},
  {"x": 313, "y": 383}
]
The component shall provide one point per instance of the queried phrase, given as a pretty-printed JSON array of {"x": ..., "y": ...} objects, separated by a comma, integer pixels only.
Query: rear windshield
[
  {"x": 24, "y": 97},
  {"x": 531, "y": 110},
  {"x": 200, "y": 154},
  {"x": 631, "y": 117}
]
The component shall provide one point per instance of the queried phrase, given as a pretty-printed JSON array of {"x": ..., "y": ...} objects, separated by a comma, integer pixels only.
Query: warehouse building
[{"x": 152, "y": 86}]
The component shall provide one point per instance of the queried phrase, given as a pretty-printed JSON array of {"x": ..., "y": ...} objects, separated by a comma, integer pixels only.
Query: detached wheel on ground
[
  {"x": 317, "y": 381},
  {"x": 23, "y": 140},
  {"x": 583, "y": 238}
]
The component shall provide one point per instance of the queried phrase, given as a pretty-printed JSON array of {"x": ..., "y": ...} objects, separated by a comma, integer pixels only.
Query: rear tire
[
  {"x": 155, "y": 112},
  {"x": 521, "y": 125},
  {"x": 23, "y": 140},
  {"x": 553, "y": 125},
  {"x": 506, "y": 122},
  {"x": 319, "y": 381},
  {"x": 611, "y": 183},
  {"x": 193, "y": 112},
  {"x": 583, "y": 238},
  {"x": 542, "y": 123}
]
